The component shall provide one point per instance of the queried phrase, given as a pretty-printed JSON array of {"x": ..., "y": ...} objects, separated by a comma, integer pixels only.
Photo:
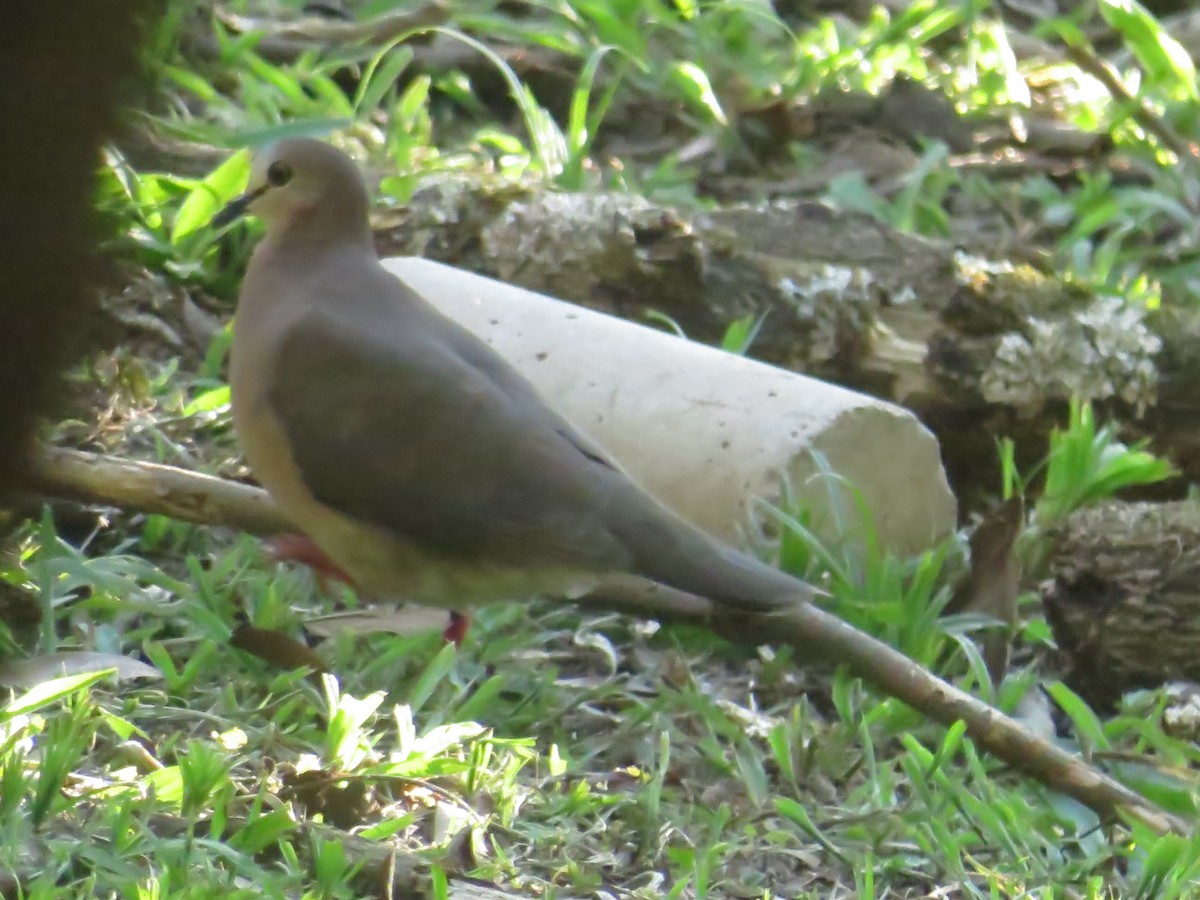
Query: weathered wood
[
  {"x": 1123, "y": 597},
  {"x": 152, "y": 488}
]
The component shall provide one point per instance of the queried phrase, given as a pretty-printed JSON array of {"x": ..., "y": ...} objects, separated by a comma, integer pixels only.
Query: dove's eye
[{"x": 279, "y": 173}]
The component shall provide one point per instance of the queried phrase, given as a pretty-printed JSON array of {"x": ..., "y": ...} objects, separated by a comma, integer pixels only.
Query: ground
[{"x": 556, "y": 753}]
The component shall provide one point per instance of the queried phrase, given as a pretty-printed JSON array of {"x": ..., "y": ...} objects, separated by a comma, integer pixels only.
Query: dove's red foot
[
  {"x": 456, "y": 631},
  {"x": 300, "y": 548}
]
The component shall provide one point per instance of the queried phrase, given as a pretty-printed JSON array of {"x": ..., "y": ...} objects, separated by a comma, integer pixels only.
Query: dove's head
[{"x": 305, "y": 183}]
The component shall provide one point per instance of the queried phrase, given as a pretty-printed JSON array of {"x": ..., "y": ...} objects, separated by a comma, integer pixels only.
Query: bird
[{"x": 418, "y": 463}]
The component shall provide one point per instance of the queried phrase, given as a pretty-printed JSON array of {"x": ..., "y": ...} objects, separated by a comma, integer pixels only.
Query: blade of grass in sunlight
[
  {"x": 1167, "y": 63},
  {"x": 583, "y": 122},
  {"x": 210, "y": 194},
  {"x": 547, "y": 141},
  {"x": 1087, "y": 464}
]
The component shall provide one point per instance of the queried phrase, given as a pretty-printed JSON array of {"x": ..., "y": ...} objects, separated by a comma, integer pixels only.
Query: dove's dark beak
[{"x": 236, "y": 208}]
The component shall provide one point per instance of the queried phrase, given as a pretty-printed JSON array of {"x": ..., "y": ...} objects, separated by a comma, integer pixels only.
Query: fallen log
[
  {"x": 977, "y": 348},
  {"x": 1123, "y": 598}
]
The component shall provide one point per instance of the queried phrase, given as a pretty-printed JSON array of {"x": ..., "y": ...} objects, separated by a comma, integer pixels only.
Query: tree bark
[
  {"x": 63, "y": 71},
  {"x": 1123, "y": 598}
]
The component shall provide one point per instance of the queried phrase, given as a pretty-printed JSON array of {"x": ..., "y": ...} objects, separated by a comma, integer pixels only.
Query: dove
[{"x": 420, "y": 465}]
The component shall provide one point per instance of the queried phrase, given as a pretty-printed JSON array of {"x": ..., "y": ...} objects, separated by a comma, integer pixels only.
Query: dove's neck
[{"x": 338, "y": 220}]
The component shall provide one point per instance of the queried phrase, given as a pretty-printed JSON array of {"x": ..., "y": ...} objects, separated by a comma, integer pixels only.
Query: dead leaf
[
  {"x": 202, "y": 326},
  {"x": 1033, "y": 711},
  {"x": 19, "y": 608},
  {"x": 28, "y": 673},
  {"x": 995, "y": 578},
  {"x": 343, "y": 800},
  {"x": 277, "y": 649},
  {"x": 402, "y": 620}
]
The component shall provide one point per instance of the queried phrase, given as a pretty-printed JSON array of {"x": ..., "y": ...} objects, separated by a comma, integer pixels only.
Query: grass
[
  {"x": 557, "y": 754},
  {"x": 562, "y": 755}
]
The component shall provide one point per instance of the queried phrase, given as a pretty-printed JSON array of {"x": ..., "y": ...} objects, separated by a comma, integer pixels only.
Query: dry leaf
[
  {"x": 992, "y": 585},
  {"x": 276, "y": 648},
  {"x": 343, "y": 800},
  {"x": 27, "y": 673},
  {"x": 1033, "y": 711},
  {"x": 19, "y": 608},
  {"x": 402, "y": 620}
]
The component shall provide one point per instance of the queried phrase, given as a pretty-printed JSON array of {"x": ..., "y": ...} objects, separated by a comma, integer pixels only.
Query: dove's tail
[{"x": 672, "y": 551}]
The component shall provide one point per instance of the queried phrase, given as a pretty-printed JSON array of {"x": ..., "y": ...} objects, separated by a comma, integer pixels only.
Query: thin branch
[
  {"x": 203, "y": 499},
  {"x": 152, "y": 488},
  {"x": 283, "y": 42},
  {"x": 1142, "y": 112}
]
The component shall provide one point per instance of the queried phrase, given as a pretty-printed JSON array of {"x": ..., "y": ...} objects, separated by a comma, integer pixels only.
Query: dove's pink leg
[
  {"x": 300, "y": 548},
  {"x": 456, "y": 631}
]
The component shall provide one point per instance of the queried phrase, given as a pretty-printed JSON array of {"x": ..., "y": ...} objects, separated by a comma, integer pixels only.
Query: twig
[
  {"x": 286, "y": 41},
  {"x": 152, "y": 488},
  {"x": 283, "y": 43},
  {"x": 204, "y": 499},
  {"x": 1142, "y": 113}
]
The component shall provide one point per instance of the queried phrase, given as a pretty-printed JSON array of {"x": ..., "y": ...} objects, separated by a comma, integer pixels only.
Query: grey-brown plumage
[{"x": 418, "y": 459}]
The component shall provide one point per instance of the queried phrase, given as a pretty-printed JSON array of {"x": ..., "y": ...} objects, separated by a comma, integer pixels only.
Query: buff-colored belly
[{"x": 381, "y": 565}]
